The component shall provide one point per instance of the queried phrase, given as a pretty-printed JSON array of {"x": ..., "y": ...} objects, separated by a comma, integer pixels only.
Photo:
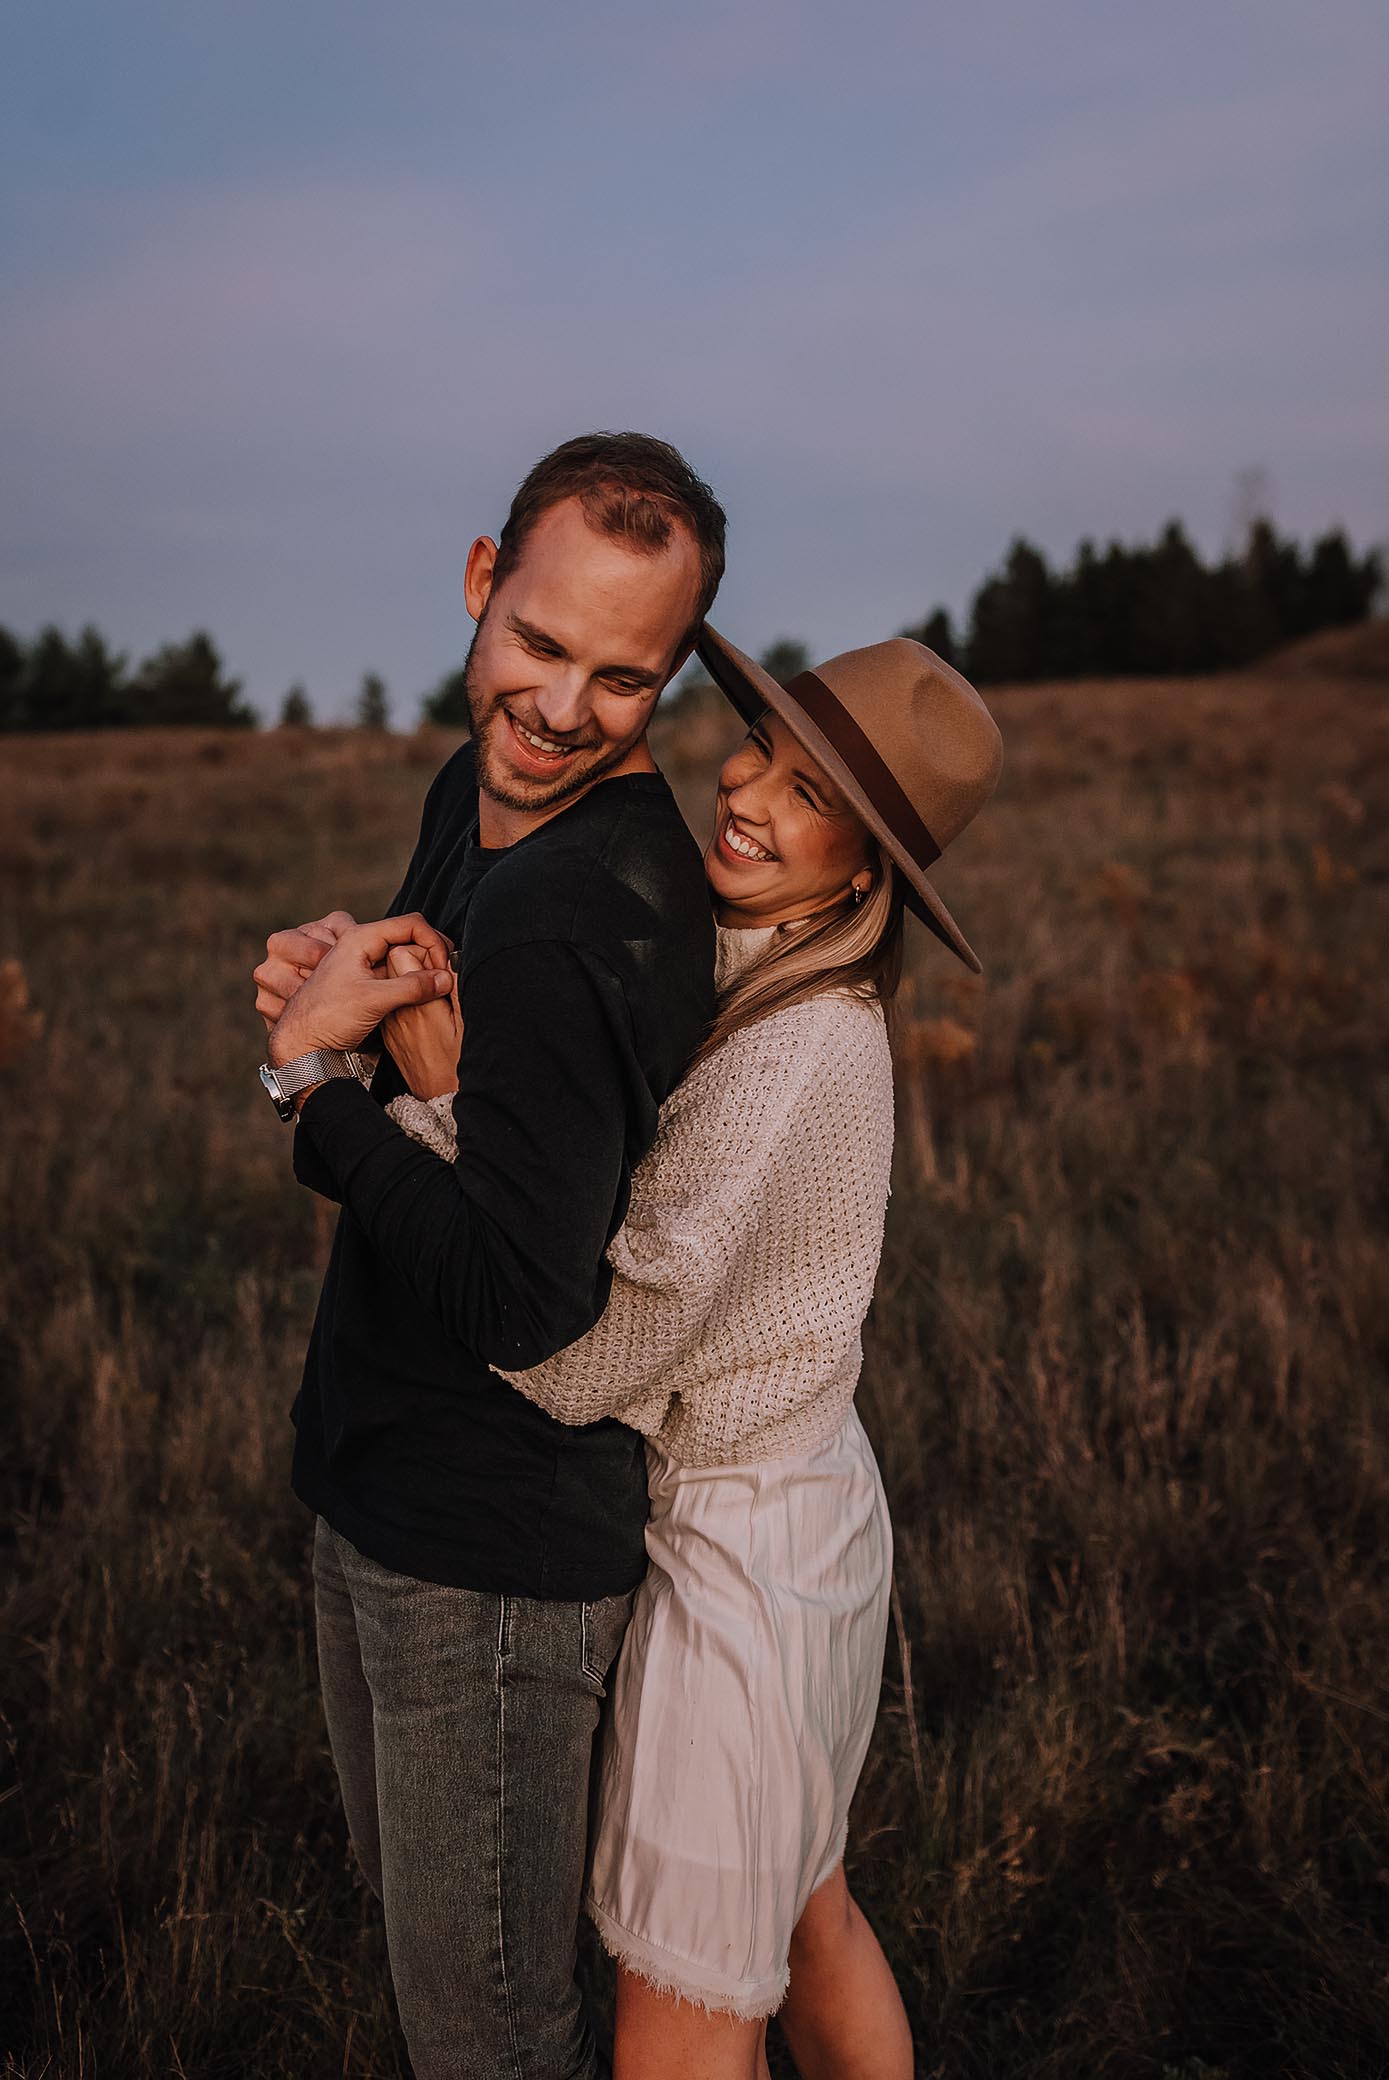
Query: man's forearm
[{"x": 308, "y": 1165}]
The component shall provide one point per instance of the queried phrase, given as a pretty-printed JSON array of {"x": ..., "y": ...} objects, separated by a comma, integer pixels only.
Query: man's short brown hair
[{"x": 629, "y": 484}]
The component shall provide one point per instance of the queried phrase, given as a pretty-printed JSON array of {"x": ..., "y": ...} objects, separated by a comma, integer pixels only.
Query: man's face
[{"x": 570, "y": 653}]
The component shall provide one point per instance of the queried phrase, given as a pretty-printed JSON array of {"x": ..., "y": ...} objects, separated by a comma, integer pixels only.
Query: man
[{"x": 475, "y": 1561}]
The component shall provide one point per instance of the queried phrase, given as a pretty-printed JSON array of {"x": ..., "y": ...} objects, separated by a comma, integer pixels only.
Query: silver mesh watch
[{"x": 290, "y": 1078}]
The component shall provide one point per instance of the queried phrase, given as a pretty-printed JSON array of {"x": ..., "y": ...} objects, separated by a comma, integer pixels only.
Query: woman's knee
[
  {"x": 657, "y": 2033},
  {"x": 826, "y": 1919}
]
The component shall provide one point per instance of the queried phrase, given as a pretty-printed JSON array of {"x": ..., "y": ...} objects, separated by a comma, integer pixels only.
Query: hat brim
[{"x": 751, "y": 689}]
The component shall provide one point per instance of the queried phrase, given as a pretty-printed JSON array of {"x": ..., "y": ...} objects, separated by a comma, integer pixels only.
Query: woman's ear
[{"x": 477, "y": 575}]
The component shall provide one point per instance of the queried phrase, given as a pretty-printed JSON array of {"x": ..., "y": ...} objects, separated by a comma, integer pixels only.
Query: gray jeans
[{"x": 463, "y": 1730}]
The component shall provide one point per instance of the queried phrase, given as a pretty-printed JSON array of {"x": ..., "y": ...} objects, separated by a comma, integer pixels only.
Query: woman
[{"x": 747, "y": 1687}]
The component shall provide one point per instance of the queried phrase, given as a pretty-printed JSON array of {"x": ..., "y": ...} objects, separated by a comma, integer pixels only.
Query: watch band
[
  {"x": 317, "y": 1067},
  {"x": 285, "y": 1081}
]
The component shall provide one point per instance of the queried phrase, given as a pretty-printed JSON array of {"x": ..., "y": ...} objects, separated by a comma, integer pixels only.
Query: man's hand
[
  {"x": 345, "y": 997},
  {"x": 291, "y": 957},
  {"x": 424, "y": 1039}
]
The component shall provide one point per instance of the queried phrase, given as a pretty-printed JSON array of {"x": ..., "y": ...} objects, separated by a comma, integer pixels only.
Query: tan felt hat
[{"x": 900, "y": 732}]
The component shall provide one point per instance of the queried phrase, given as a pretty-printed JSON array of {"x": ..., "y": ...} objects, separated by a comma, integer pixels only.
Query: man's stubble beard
[{"x": 493, "y": 777}]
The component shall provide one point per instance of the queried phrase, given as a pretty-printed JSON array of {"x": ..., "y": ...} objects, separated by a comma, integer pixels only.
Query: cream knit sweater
[{"x": 744, "y": 1268}]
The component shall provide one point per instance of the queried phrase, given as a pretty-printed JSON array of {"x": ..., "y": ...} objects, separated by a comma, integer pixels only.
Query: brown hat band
[{"x": 844, "y": 736}]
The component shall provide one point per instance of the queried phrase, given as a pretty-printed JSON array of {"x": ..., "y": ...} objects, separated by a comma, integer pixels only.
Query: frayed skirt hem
[{"x": 748, "y": 2000}]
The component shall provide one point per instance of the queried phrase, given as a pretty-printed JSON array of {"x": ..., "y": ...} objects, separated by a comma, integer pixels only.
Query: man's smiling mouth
[{"x": 540, "y": 747}]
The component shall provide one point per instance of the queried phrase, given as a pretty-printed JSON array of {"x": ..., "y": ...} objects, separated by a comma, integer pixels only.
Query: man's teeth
[
  {"x": 744, "y": 847},
  {"x": 540, "y": 743}
]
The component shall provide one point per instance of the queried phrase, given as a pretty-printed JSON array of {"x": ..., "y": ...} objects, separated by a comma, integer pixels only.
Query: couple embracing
[{"x": 610, "y": 1128}]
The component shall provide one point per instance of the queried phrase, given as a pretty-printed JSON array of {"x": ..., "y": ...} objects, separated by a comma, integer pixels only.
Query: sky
[{"x": 293, "y": 296}]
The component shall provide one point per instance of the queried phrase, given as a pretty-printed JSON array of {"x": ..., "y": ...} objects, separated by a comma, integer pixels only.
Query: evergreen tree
[
  {"x": 295, "y": 712},
  {"x": 12, "y": 663},
  {"x": 1011, "y": 619},
  {"x": 785, "y": 660},
  {"x": 1079, "y": 616},
  {"x": 183, "y": 683},
  {"x": 1273, "y": 571},
  {"x": 1172, "y": 633},
  {"x": 1118, "y": 589},
  {"x": 79, "y": 685},
  {"x": 1339, "y": 590},
  {"x": 1156, "y": 609},
  {"x": 448, "y": 704},
  {"x": 937, "y": 633},
  {"x": 373, "y": 703},
  {"x": 1238, "y": 620}
]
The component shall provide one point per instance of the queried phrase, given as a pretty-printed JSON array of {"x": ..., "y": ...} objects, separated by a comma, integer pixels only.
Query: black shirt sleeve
[
  {"x": 505, "y": 1246},
  {"x": 309, "y": 1166},
  {"x": 455, "y": 775}
]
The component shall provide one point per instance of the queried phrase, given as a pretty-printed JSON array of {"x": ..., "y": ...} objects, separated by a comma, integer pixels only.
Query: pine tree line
[
  {"x": 1129, "y": 612},
  {"x": 55, "y": 683},
  {"x": 1153, "y": 610}
]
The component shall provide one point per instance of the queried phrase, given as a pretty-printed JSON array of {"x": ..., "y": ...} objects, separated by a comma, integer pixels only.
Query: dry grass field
[{"x": 1125, "y": 1814}]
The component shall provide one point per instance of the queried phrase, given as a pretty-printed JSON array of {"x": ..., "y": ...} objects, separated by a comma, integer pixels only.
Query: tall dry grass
[{"x": 1125, "y": 1814}]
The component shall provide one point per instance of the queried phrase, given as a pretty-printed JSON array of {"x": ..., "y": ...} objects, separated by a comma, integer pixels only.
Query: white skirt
[{"x": 741, "y": 1710}]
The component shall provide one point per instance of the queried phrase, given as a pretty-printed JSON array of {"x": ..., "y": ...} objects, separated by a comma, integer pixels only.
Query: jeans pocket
[{"x": 603, "y": 1623}]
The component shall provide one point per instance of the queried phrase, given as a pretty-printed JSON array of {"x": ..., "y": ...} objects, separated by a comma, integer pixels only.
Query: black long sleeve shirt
[{"x": 585, "y": 983}]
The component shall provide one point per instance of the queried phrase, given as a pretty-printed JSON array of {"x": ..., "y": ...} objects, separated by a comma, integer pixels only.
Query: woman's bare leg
[
  {"x": 657, "y": 2036},
  {"x": 843, "y": 2016}
]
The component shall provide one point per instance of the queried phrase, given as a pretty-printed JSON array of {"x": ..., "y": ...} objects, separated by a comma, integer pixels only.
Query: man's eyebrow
[
  {"x": 532, "y": 634},
  {"x": 529, "y": 633},
  {"x": 634, "y": 672}
]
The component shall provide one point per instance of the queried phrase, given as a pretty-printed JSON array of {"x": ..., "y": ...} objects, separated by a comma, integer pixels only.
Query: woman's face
[{"x": 785, "y": 840}]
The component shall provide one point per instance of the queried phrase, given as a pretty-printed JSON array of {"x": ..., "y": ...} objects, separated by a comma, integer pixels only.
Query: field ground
[{"x": 1125, "y": 1813}]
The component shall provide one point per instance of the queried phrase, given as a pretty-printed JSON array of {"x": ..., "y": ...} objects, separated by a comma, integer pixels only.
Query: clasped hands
[{"x": 330, "y": 984}]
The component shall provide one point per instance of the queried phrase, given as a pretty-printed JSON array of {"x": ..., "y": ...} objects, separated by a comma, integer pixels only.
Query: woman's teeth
[{"x": 744, "y": 847}]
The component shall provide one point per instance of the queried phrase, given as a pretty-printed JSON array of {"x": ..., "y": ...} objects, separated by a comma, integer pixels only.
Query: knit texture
[{"x": 745, "y": 1266}]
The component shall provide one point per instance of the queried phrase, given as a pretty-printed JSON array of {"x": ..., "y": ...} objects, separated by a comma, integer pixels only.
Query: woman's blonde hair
[{"x": 850, "y": 946}]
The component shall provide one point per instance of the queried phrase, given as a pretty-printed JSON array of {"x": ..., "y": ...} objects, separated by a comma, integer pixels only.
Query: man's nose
[{"x": 563, "y": 702}]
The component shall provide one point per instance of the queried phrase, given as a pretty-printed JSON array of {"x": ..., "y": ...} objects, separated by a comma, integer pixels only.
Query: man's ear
[{"x": 477, "y": 575}]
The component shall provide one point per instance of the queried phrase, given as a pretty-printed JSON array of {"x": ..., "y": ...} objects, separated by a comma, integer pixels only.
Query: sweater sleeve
[
  {"x": 504, "y": 1245},
  {"x": 777, "y": 1365},
  {"x": 695, "y": 1202},
  {"x": 748, "y": 1258},
  {"x": 428, "y": 1121},
  {"x": 697, "y": 1205}
]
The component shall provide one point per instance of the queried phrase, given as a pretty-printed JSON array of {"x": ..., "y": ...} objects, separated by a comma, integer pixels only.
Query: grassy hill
[{"x": 1125, "y": 1813}]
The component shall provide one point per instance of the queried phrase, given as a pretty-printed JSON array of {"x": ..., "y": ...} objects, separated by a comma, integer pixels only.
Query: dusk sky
[{"x": 294, "y": 295}]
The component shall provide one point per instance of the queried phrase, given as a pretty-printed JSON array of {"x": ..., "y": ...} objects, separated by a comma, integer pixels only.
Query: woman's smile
[
  {"x": 786, "y": 844},
  {"x": 737, "y": 846}
]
